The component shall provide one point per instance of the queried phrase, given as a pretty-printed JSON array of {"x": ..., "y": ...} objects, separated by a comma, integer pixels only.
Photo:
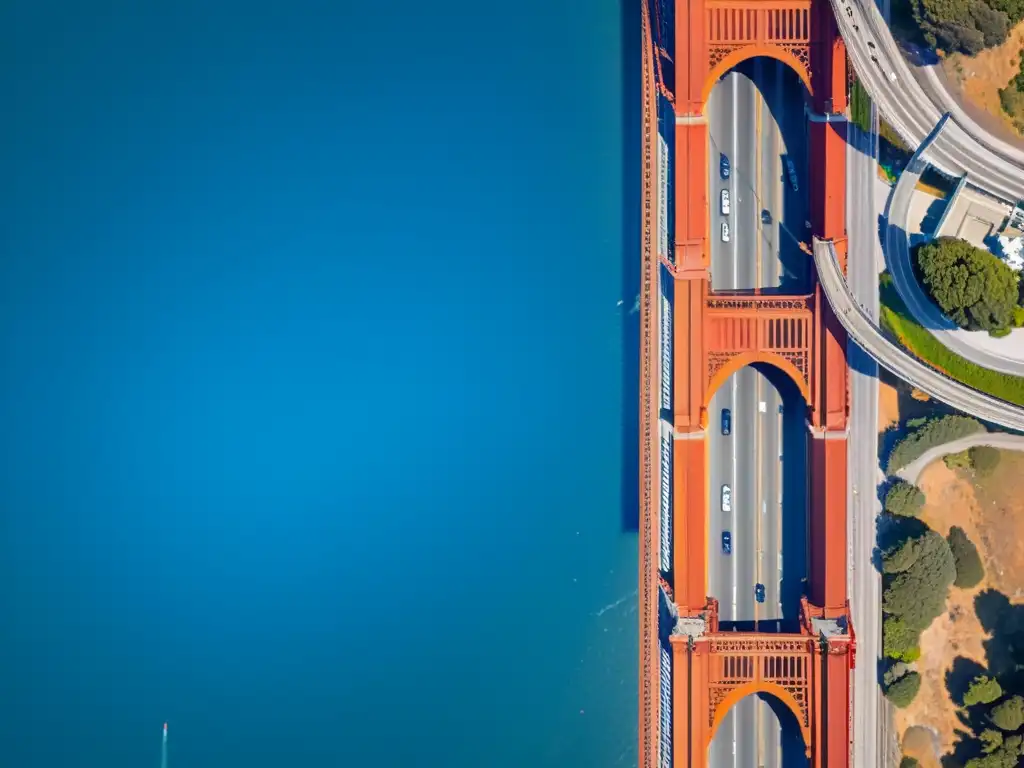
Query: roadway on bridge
[{"x": 744, "y": 112}]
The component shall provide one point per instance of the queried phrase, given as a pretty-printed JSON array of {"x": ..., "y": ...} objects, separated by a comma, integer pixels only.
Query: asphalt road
[
  {"x": 864, "y": 583},
  {"x": 992, "y": 165},
  {"x": 755, "y": 117}
]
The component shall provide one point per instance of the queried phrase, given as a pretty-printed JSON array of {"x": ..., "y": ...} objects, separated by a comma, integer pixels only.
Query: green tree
[
  {"x": 903, "y": 691},
  {"x": 982, "y": 690},
  {"x": 961, "y": 460},
  {"x": 1014, "y": 10},
  {"x": 1008, "y": 715},
  {"x": 909, "y": 762},
  {"x": 1005, "y": 755},
  {"x": 899, "y": 641},
  {"x": 918, "y": 594},
  {"x": 993, "y": 25},
  {"x": 991, "y": 740},
  {"x": 934, "y": 432},
  {"x": 985, "y": 459},
  {"x": 969, "y": 570},
  {"x": 974, "y": 288},
  {"x": 904, "y": 499}
]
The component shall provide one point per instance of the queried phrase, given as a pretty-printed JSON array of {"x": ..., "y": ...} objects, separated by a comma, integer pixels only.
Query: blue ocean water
[{"x": 314, "y": 396}]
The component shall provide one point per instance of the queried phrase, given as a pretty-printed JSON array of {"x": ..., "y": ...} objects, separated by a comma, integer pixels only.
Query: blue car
[
  {"x": 726, "y": 422},
  {"x": 723, "y": 166},
  {"x": 759, "y": 592},
  {"x": 726, "y": 543}
]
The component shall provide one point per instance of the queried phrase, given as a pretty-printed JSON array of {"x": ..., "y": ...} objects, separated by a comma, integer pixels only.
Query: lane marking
[
  {"x": 734, "y": 236},
  {"x": 758, "y": 99}
]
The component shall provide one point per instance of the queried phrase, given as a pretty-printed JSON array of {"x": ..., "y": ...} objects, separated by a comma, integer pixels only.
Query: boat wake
[{"x": 617, "y": 603}]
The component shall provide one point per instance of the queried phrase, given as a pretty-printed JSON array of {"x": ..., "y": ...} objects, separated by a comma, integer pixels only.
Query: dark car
[
  {"x": 766, "y": 218},
  {"x": 727, "y": 548},
  {"x": 726, "y": 421},
  {"x": 723, "y": 166},
  {"x": 759, "y": 592}
]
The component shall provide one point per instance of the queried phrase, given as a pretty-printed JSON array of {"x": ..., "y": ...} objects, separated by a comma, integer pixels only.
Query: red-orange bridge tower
[{"x": 691, "y": 673}]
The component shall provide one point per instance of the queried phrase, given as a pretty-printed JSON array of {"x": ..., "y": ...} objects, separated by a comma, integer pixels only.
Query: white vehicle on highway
[
  {"x": 725, "y": 232},
  {"x": 726, "y": 498},
  {"x": 725, "y": 202}
]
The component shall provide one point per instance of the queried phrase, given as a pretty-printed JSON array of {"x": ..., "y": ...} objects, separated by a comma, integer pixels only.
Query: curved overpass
[
  {"x": 964, "y": 147},
  {"x": 869, "y": 337},
  {"x": 898, "y": 259},
  {"x": 912, "y": 472}
]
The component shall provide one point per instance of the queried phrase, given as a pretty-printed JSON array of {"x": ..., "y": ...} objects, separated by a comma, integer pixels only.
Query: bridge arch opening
[
  {"x": 767, "y": 360},
  {"x": 745, "y": 53},
  {"x": 775, "y": 714}
]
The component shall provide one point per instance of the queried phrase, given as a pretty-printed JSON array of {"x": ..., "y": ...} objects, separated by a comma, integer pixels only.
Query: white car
[
  {"x": 725, "y": 202},
  {"x": 725, "y": 232},
  {"x": 726, "y": 498}
]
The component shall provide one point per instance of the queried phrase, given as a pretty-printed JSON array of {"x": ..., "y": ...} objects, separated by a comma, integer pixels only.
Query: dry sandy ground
[
  {"x": 888, "y": 406},
  {"x": 980, "y": 77},
  {"x": 993, "y": 517}
]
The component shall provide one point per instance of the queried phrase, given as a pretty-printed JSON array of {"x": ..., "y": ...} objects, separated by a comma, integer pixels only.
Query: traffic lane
[
  {"x": 744, "y": 494},
  {"x": 720, "y": 473},
  {"x": 794, "y": 508},
  {"x": 770, "y": 735},
  {"x": 772, "y": 519},
  {"x": 746, "y": 717},
  {"x": 771, "y": 184},
  {"x": 793, "y": 206},
  {"x": 744, "y": 173},
  {"x": 770, "y": 730},
  {"x": 721, "y": 138},
  {"x": 723, "y": 743}
]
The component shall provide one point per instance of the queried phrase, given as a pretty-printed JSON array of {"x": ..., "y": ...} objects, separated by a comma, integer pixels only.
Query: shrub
[
  {"x": 974, "y": 288},
  {"x": 961, "y": 460},
  {"x": 860, "y": 106},
  {"x": 934, "y": 432},
  {"x": 969, "y": 570},
  {"x": 985, "y": 459},
  {"x": 893, "y": 673},
  {"x": 904, "y": 499},
  {"x": 903, "y": 691},
  {"x": 909, "y": 762},
  {"x": 1018, "y": 317},
  {"x": 899, "y": 642},
  {"x": 982, "y": 690},
  {"x": 1008, "y": 715},
  {"x": 889, "y": 133}
]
